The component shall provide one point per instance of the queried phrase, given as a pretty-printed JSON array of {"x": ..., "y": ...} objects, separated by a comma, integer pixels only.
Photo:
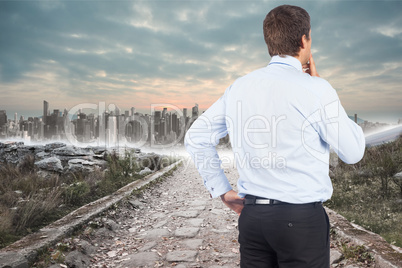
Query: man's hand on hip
[{"x": 233, "y": 201}]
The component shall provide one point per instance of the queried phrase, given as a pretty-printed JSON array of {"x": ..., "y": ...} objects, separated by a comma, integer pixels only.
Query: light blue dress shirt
[{"x": 281, "y": 124}]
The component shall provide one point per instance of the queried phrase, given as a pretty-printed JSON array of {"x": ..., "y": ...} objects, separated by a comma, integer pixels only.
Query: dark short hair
[{"x": 284, "y": 27}]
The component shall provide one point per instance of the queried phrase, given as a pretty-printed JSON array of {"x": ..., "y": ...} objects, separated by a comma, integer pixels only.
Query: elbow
[
  {"x": 357, "y": 154},
  {"x": 355, "y": 158}
]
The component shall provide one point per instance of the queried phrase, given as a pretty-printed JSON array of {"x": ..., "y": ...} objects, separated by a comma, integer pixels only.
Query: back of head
[{"x": 284, "y": 27}]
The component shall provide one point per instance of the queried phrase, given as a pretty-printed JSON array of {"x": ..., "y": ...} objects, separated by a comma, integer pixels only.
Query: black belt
[{"x": 255, "y": 200}]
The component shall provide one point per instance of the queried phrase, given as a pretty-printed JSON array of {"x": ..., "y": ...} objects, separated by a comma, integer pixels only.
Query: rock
[
  {"x": 12, "y": 152},
  {"x": 160, "y": 224},
  {"x": 145, "y": 171},
  {"x": 77, "y": 165},
  {"x": 77, "y": 260},
  {"x": 50, "y": 164},
  {"x": 186, "y": 214},
  {"x": 55, "y": 266},
  {"x": 195, "y": 222},
  {"x": 87, "y": 248},
  {"x": 335, "y": 256},
  {"x": 181, "y": 265},
  {"x": 217, "y": 211},
  {"x": 185, "y": 255},
  {"x": 103, "y": 232},
  {"x": 365, "y": 173},
  {"x": 197, "y": 203},
  {"x": 220, "y": 231},
  {"x": 51, "y": 146},
  {"x": 98, "y": 150},
  {"x": 136, "y": 203},
  {"x": 187, "y": 232},
  {"x": 42, "y": 155},
  {"x": 158, "y": 215},
  {"x": 155, "y": 233},
  {"x": 112, "y": 253},
  {"x": 77, "y": 161},
  {"x": 13, "y": 260},
  {"x": 141, "y": 259},
  {"x": 199, "y": 208},
  {"x": 148, "y": 246},
  {"x": 71, "y": 151},
  {"x": 193, "y": 243},
  {"x": 111, "y": 225},
  {"x": 398, "y": 175}
]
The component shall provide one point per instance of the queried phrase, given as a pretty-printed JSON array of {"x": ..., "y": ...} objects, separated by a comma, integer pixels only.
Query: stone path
[{"x": 172, "y": 224}]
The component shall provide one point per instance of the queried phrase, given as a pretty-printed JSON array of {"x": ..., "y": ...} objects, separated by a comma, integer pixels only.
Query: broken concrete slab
[{"x": 182, "y": 255}]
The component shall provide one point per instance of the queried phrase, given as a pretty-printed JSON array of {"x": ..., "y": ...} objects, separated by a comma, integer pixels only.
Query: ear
[{"x": 303, "y": 41}]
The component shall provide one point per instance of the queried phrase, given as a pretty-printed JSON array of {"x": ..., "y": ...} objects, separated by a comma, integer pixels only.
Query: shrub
[
  {"x": 368, "y": 194},
  {"x": 76, "y": 193},
  {"x": 29, "y": 201}
]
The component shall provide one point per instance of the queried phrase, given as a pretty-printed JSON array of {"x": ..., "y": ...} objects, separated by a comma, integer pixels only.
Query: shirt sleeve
[
  {"x": 200, "y": 142},
  {"x": 335, "y": 127}
]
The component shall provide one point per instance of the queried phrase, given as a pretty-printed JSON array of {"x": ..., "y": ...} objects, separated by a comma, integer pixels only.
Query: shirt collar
[{"x": 286, "y": 60}]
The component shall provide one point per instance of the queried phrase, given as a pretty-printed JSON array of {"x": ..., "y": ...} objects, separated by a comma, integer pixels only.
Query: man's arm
[
  {"x": 335, "y": 127},
  {"x": 200, "y": 142},
  {"x": 343, "y": 134}
]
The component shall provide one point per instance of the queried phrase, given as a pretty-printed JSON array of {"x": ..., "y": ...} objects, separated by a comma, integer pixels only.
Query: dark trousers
[{"x": 284, "y": 236}]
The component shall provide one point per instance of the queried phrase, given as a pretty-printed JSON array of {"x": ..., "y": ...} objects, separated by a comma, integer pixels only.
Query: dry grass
[
  {"x": 367, "y": 193},
  {"x": 29, "y": 201}
]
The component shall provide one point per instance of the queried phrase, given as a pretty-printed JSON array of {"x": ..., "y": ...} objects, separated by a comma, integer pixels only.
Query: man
[{"x": 281, "y": 120}]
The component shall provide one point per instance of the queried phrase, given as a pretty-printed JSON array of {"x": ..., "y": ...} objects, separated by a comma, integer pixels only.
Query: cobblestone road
[{"x": 172, "y": 224}]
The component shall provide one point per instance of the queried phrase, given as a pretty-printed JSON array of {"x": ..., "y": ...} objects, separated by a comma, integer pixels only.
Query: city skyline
[
  {"x": 135, "y": 53},
  {"x": 101, "y": 125}
]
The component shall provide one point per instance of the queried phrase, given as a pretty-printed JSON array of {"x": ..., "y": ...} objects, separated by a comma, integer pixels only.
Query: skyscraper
[
  {"x": 132, "y": 113},
  {"x": 3, "y": 120},
  {"x": 175, "y": 123},
  {"x": 195, "y": 112},
  {"x": 185, "y": 113},
  {"x": 157, "y": 122},
  {"x": 45, "y": 111},
  {"x": 112, "y": 131}
]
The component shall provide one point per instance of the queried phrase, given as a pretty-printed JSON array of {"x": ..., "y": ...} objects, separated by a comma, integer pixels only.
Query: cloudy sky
[{"x": 135, "y": 53}]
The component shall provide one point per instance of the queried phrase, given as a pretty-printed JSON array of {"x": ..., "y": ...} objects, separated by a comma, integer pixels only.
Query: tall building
[
  {"x": 185, "y": 113},
  {"x": 45, "y": 111},
  {"x": 175, "y": 123},
  {"x": 132, "y": 113},
  {"x": 157, "y": 123},
  {"x": 112, "y": 131},
  {"x": 162, "y": 129},
  {"x": 168, "y": 122},
  {"x": 3, "y": 120},
  {"x": 195, "y": 112}
]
